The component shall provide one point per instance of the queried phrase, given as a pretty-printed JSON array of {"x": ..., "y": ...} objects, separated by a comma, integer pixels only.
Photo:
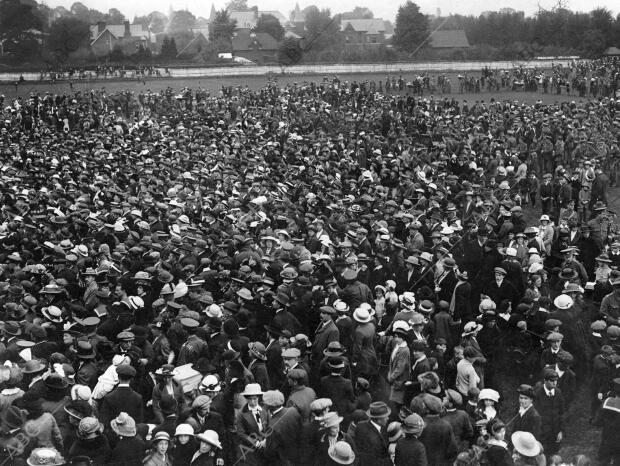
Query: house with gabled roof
[
  {"x": 104, "y": 38},
  {"x": 363, "y": 31},
  {"x": 259, "y": 47}
]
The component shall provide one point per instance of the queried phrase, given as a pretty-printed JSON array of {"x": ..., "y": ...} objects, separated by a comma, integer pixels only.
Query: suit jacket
[
  {"x": 529, "y": 422},
  {"x": 282, "y": 446},
  {"x": 372, "y": 445},
  {"x": 323, "y": 337},
  {"x": 260, "y": 373},
  {"x": 247, "y": 427},
  {"x": 121, "y": 399},
  {"x": 87, "y": 374},
  {"x": 212, "y": 421},
  {"x": 275, "y": 364},
  {"x": 340, "y": 391}
]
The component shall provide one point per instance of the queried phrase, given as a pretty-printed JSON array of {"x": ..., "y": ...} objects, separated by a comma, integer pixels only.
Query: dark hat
[
  {"x": 378, "y": 409},
  {"x": 56, "y": 382},
  {"x": 526, "y": 390},
  {"x": 85, "y": 350},
  {"x": 12, "y": 328}
]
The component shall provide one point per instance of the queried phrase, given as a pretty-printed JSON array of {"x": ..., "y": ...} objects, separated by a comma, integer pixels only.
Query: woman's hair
[{"x": 495, "y": 425}]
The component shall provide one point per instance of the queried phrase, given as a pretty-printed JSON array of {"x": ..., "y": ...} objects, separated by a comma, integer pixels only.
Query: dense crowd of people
[{"x": 311, "y": 274}]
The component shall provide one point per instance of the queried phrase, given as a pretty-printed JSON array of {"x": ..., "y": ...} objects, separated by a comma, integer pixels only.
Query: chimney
[
  {"x": 100, "y": 27},
  {"x": 127, "y": 30}
]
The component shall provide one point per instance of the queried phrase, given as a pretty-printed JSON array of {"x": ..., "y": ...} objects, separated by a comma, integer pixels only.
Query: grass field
[
  {"x": 256, "y": 82},
  {"x": 580, "y": 437}
]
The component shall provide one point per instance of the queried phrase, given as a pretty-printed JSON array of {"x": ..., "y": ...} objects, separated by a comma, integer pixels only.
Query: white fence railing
[{"x": 331, "y": 69}]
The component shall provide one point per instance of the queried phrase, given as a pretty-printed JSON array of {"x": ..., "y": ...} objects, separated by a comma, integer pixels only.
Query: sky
[{"x": 382, "y": 9}]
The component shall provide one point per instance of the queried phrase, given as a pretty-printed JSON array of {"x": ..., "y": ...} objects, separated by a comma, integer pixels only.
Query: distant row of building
[{"x": 257, "y": 47}]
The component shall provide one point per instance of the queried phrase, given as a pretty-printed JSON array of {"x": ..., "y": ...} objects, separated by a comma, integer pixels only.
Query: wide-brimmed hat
[
  {"x": 211, "y": 437},
  {"x": 33, "y": 366},
  {"x": 341, "y": 453},
  {"x": 331, "y": 419},
  {"x": 85, "y": 350},
  {"x": 166, "y": 370},
  {"x": 362, "y": 315},
  {"x": 11, "y": 327},
  {"x": 53, "y": 314},
  {"x": 45, "y": 457},
  {"x": 257, "y": 349},
  {"x": 124, "y": 425},
  {"x": 471, "y": 328},
  {"x": 334, "y": 348},
  {"x": 252, "y": 389},
  {"x": 525, "y": 444},
  {"x": 378, "y": 409}
]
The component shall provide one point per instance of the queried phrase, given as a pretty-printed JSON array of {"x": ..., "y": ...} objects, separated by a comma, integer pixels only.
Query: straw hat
[{"x": 526, "y": 444}]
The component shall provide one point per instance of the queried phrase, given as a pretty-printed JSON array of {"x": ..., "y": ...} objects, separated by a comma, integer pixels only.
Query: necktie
[{"x": 258, "y": 421}]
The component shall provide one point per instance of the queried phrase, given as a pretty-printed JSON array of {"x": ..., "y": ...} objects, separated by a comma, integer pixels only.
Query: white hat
[
  {"x": 184, "y": 429},
  {"x": 401, "y": 325},
  {"x": 563, "y": 301},
  {"x": 252, "y": 389},
  {"x": 488, "y": 394},
  {"x": 535, "y": 267},
  {"x": 512, "y": 252},
  {"x": 362, "y": 315},
  {"x": 471, "y": 328},
  {"x": 210, "y": 437},
  {"x": 136, "y": 302},
  {"x": 544, "y": 217}
]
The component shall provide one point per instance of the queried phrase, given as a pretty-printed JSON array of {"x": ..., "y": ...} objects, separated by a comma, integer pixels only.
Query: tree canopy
[
  {"x": 222, "y": 27},
  {"x": 271, "y": 25},
  {"x": 18, "y": 27},
  {"x": 412, "y": 27}
]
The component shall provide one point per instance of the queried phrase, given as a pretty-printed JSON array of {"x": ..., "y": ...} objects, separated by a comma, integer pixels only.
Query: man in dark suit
[
  {"x": 337, "y": 388},
  {"x": 282, "y": 445},
  {"x": 501, "y": 289},
  {"x": 549, "y": 402},
  {"x": 326, "y": 332},
  {"x": 371, "y": 436},
  {"x": 274, "y": 363},
  {"x": 527, "y": 419},
  {"x": 460, "y": 302},
  {"x": 122, "y": 399},
  {"x": 407, "y": 278},
  {"x": 86, "y": 372}
]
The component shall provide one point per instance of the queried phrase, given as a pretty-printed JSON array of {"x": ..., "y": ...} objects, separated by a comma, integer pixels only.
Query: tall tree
[
  {"x": 222, "y": 27},
  {"x": 67, "y": 35},
  {"x": 18, "y": 23},
  {"x": 411, "y": 28},
  {"x": 323, "y": 30},
  {"x": 359, "y": 12},
  {"x": 271, "y": 25},
  {"x": 114, "y": 16},
  {"x": 237, "y": 5},
  {"x": 182, "y": 20}
]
